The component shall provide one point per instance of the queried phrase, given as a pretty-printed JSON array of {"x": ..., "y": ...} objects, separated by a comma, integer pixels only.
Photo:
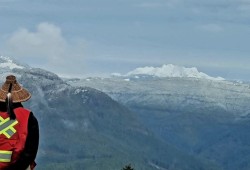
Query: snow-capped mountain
[
  {"x": 84, "y": 128},
  {"x": 199, "y": 116},
  {"x": 9, "y": 63},
  {"x": 178, "y": 121},
  {"x": 169, "y": 70},
  {"x": 173, "y": 87}
]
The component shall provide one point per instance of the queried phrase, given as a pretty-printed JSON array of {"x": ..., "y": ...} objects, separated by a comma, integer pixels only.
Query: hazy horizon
[{"x": 80, "y": 38}]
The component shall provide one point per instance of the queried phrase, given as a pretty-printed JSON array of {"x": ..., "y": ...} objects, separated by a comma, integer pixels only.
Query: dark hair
[
  {"x": 4, "y": 108},
  {"x": 9, "y": 104}
]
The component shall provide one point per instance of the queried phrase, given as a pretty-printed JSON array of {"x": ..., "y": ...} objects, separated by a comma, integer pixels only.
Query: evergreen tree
[{"x": 128, "y": 167}]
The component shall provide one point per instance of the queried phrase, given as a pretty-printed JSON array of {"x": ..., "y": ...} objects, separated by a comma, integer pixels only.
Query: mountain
[
  {"x": 203, "y": 117},
  {"x": 168, "y": 70},
  {"x": 173, "y": 93},
  {"x": 7, "y": 63},
  {"x": 84, "y": 128}
]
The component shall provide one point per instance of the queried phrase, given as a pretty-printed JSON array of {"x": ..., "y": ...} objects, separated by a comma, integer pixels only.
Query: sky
[{"x": 79, "y": 38}]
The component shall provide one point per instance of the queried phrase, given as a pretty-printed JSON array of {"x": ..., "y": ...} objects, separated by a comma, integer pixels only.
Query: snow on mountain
[
  {"x": 7, "y": 62},
  {"x": 169, "y": 70}
]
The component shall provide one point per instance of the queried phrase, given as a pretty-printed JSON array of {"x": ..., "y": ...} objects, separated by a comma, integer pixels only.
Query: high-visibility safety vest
[{"x": 13, "y": 134}]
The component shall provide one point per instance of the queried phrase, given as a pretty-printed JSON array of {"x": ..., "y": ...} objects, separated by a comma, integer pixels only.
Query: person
[{"x": 19, "y": 131}]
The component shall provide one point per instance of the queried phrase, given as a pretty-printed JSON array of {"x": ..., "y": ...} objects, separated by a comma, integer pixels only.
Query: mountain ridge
[
  {"x": 168, "y": 70},
  {"x": 84, "y": 128},
  {"x": 201, "y": 117}
]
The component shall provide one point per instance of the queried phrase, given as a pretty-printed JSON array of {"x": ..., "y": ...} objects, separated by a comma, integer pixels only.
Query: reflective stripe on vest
[
  {"x": 6, "y": 127},
  {"x": 5, "y": 156}
]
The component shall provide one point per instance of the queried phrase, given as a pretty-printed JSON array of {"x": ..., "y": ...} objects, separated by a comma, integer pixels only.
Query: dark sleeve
[{"x": 31, "y": 146}]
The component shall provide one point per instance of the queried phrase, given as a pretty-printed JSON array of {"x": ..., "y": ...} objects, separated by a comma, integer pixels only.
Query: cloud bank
[{"x": 48, "y": 46}]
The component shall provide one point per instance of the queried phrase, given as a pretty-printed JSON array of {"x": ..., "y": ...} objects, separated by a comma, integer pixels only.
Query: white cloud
[
  {"x": 46, "y": 42},
  {"x": 45, "y": 47}
]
